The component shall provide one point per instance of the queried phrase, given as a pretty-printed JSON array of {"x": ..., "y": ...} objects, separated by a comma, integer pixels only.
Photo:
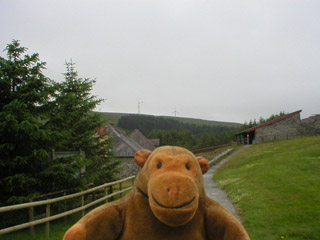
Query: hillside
[
  {"x": 276, "y": 185},
  {"x": 114, "y": 118}
]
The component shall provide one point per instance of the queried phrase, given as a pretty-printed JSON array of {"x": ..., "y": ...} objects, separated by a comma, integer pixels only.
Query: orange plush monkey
[{"x": 168, "y": 201}]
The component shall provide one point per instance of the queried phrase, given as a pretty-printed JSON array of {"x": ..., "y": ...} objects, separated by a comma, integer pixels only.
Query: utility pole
[
  {"x": 139, "y": 102},
  {"x": 175, "y": 111}
]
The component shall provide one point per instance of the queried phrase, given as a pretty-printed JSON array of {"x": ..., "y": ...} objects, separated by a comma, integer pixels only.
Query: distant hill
[
  {"x": 114, "y": 118},
  {"x": 185, "y": 132}
]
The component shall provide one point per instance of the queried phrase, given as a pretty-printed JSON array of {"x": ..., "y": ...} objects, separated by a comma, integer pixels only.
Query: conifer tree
[
  {"x": 38, "y": 115},
  {"x": 24, "y": 95},
  {"x": 74, "y": 127}
]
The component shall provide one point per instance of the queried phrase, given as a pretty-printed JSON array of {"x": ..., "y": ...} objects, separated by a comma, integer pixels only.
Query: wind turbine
[
  {"x": 175, "y": 111},
  {"x": 139, "y": 103}
]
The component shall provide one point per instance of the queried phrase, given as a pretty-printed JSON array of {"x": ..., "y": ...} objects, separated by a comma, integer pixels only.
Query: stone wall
[
  {"x": 284, "y": 129},
  {"x": 310, "y": 126},
  {"x": 128, "y": 167}
]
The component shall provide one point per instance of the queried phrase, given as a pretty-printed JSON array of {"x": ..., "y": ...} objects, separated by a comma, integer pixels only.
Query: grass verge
[
  {"x": 57, "y": 230},
  {"x": 276, "y": 185},
  {"x": 57, "y": 227}
]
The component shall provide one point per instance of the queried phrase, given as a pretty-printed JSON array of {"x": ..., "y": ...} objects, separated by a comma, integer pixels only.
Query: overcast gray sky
[{"x": 228, "y": 60}]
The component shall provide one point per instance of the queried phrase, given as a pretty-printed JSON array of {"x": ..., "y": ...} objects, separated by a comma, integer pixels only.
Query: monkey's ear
[
  {"x": 204, "y": 164},
  {"x": 141, "y": 156}
]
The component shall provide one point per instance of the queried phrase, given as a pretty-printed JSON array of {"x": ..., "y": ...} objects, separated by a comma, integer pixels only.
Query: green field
[
  {"x": 276, "y": 187},
  {"x": 114, "y": 118}
]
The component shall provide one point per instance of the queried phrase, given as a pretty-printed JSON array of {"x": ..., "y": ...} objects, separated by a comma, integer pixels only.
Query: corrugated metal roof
[{"x": 270, "y": 122}]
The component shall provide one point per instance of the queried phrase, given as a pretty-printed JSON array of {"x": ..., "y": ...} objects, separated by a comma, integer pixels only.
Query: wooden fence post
[
  {"x": 106, "y": 193},
  {"x": 65, "y": 205},
  {"x": 82, "y": 204},
  {"x": 111, "y": 191},
  {"x": 33, "y": 204},
  {"x": 31, "y": 217},
  {"x": 120, "y": 188},
  {"x": 47, "y": 223}
]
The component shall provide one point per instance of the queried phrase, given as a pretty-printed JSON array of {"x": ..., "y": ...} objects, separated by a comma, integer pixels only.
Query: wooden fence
[
  {"x": 205, "y": 149},
  {"x": 108, "y": 193}
]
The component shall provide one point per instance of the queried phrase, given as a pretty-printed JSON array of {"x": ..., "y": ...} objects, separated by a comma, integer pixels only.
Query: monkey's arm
[
  {"x": 221, "y": 224},
  {"x": 102, "y": 223}
]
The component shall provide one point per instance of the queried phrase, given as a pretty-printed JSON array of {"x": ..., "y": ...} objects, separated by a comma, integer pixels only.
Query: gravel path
[{"x": 213, "y": 191}]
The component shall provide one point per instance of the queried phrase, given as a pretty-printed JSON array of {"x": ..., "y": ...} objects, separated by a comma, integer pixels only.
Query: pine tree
[
  {"x": 38, "y": 115},
  {"x": 74, "y": 126},
  {"x": 24, "y": 95}
]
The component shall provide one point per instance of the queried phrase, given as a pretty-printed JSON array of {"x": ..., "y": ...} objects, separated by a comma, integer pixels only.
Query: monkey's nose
[{"x": 173, "y": 191}]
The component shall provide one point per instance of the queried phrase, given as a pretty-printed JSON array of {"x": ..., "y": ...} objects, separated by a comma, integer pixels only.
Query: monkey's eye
[
  {"x": 188, "y": 166},
  {"x": 159, "y": 165}
]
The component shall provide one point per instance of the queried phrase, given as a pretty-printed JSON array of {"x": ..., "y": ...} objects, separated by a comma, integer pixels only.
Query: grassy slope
[
  {"x": 114, "y": 118},
  {"x": 277, "y": 187}
]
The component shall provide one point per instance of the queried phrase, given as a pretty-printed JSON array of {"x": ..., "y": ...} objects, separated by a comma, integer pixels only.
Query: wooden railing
[
  {"x": 197, "y": 150},
  {"x": 108, "y": 193}
]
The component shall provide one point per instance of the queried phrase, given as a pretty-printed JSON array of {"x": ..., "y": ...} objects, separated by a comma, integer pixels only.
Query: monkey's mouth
[{"x": 175, "y": 207}]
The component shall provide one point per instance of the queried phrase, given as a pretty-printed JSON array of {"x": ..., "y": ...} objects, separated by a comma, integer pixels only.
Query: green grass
[
  {"x": 59, "y": 226},
  {"x": 276, "y": 186},
  {"x": 57, "y": 230}
]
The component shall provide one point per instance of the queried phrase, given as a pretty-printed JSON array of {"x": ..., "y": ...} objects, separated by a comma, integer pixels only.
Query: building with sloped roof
[
  {"x": 124, "y": 148},
  {"x": 284, "y": 127},
  {"x": 123, "y": 145},
  {"x": 310, "y": 126},
  {"x": 142, "y": 140}
]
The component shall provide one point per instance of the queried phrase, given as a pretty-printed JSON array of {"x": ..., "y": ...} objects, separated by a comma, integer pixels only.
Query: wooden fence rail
[
  {"x": 197, "y": 150},
  {"x": 108, "y": 189}
]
